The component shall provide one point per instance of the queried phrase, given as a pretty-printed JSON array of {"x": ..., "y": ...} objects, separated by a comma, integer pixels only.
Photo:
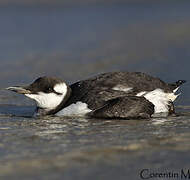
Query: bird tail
[{"x": 177, "y": 84}]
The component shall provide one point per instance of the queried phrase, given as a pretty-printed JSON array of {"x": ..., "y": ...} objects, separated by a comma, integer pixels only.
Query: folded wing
[{"x": 128, "y": 107}]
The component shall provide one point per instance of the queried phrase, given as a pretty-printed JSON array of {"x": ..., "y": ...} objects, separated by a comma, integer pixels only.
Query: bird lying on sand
[{"x": 126, "y": 95}]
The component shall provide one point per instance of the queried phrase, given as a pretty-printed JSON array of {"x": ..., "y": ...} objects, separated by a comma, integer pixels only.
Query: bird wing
[{"x": 128, "y": 107}]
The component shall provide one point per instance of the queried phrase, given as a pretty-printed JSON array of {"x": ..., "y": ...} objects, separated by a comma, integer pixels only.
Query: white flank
[
  {"x": 160, "y": 99},
  {"x": 75, "y": 109},
  {"x": 141, "y": 93},
  {"x": 49, "y": 100},
  {"x": 122, "y": 88},
  {"x": 172, "y": 96}
]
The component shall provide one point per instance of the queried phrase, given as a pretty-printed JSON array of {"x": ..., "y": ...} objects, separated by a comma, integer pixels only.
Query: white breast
[{"x": 75, "y": 109}]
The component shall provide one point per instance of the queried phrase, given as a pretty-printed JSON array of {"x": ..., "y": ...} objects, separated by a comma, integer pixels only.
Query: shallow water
[
  {"x": 70, "y": 148},
  {"x": 77, "y": 42}
]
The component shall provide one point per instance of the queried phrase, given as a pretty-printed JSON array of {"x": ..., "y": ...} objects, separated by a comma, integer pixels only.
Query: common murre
[{"x": 110, "y": 95}]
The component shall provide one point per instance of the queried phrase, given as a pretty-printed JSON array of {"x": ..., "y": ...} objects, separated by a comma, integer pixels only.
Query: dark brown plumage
[{"x": 108, "y": 95}]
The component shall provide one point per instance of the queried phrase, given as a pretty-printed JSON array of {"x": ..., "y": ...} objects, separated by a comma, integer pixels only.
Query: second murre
[{"x": 127, "y": 95}]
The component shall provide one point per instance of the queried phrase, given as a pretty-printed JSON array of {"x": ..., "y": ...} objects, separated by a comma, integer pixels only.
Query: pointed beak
[{"x": 19, "y": 89}]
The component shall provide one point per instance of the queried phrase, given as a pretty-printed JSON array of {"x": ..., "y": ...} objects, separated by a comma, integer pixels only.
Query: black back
[{"x": 97, "y": 90}]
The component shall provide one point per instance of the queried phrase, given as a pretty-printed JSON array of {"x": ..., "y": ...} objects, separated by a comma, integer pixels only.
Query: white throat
[{"x": 51, "y": 100}]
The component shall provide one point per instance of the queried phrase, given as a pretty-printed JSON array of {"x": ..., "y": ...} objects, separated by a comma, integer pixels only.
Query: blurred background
[{"x": 75, "y": 40}]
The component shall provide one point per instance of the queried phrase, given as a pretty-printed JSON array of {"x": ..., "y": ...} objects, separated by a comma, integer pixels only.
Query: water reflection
[
  {"x": 29, "y": 145},
  {"x": 159, "y": 121},
  {"x": 147, "y": 37}
]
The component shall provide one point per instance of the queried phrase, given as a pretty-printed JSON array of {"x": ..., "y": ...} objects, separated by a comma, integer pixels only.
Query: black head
[
  {"x": 45, "y": 84},
  {"x": 48, "y": 92}
]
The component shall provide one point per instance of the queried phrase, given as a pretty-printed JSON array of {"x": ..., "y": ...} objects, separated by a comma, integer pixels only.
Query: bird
[{"x": 111, "y": 95}]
